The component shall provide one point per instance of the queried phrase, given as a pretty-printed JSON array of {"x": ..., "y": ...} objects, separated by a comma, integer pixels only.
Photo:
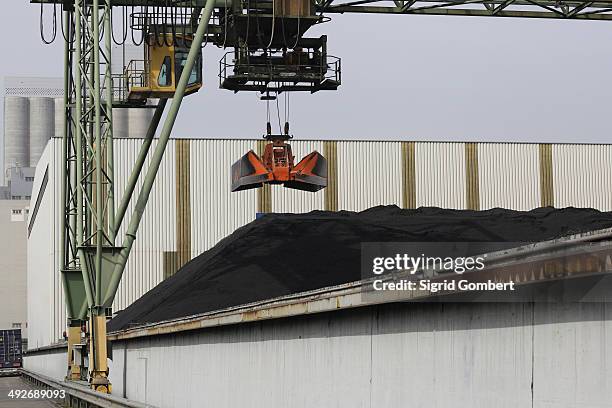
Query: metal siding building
[
  {"x": 191, "y": 207},
  {"x": 440, "y": 175},
  {"x": 516, "y": 187},
  {"x": 582, "y": 176}
]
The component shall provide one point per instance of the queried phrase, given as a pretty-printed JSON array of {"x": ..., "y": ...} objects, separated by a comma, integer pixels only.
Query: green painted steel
[
  {"x": 158, "y": 153},
  {"x": 142, "y": 155},
  {"x": 78, "y": 136}
]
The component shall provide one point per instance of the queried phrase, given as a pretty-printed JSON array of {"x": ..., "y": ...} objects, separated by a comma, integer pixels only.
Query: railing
[
  {"x": 77, "y": 395},
  {"x": 134, "y": 75},
  {"x": 327, "y": 69}
]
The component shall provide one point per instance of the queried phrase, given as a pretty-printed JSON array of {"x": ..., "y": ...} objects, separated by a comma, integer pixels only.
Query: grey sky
[{"x": 404, "y": 77}]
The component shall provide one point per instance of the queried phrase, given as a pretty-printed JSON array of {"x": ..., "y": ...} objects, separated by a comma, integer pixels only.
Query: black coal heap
[{"x": 281, "y": 254}]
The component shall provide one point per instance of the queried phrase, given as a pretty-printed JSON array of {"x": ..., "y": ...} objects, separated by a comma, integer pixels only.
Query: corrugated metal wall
[
  {"x": 452, "y": 175},
  {"x": 582, "y": 176},
  {"x": 368, "y": 174},
  {"x": 157, "y": 234},
  {"x": 440, "y": 175},
  {"x": 216, "y": 212},
  {"x": 508, "y": 176}
]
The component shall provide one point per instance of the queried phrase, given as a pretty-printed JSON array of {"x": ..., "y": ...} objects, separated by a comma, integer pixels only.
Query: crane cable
[
  {"x": 184, "y": 14},
  {"x": 246, "y": 40},
  {"x": 287, "y": 107},
  {"x": 42, "y": 25},
  {"x": 124, "y": 21},
  {"x": 265, "y": 47},
  {"x": 297, "y": 36},
  {"x": 273, "y": 21},
  {"x": 225, "y": 26},
  {"x": 165, "y": 25},
  {"x": 173, "y": 25},
  {"x": 146, "y": 17},
  {"x": 68, "y": 37},
  {"x": 280, "y": 129}
]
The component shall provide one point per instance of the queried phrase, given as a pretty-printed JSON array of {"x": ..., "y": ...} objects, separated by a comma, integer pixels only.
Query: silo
[
  {"x": 16, "y": 132},
  {"x": 42, "y": 126},
  {"x": 59, "y": 114},
  {"x": 139, "y": 120},
  {"x": 120, "y": 122}
]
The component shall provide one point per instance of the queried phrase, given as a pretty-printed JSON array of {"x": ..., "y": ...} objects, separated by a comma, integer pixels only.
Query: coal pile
[{"x": 281, "y": 254}]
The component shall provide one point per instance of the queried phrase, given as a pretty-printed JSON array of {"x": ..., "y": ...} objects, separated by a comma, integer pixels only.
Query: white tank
[
  {"x": 16, "y": 132},
  {"x": 42, "y": 126},
  {"x": 59, "y": 115},
  {"x": 120, "y": 122},
  {"x": 139, "y": 120}
]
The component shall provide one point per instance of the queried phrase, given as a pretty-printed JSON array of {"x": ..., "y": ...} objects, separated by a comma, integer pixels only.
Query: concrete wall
[
  {"x": 52, "y": 363},
  {"x": 13, "y": 269},
  {"x": 402, "y": 355}
]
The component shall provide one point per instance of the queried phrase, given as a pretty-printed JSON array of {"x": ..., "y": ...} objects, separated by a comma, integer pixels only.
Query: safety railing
[
  {"x": 312, "y": 72},
  {"x": 134, "y": 75}
]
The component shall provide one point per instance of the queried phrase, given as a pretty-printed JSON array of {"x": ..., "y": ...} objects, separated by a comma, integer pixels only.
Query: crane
[{"x": 268, "y": 53}]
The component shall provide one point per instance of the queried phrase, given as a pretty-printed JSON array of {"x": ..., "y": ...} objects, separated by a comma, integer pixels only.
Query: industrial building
[
  {"x": 30, "y": 121},
  {"x": 192, "y": 208},
  {"x": 14, "y": 215}
]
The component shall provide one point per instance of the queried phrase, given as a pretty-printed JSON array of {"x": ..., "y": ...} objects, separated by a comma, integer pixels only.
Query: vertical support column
[
  {"x": 65, "y": 247},
  {"x": 97, "y": 137},
  {"x": 183, "y": 202},
  {"x": 264, "y": 194},
  {"x": 109, "y": 150},
  {"x": 98, "y": 353},
  {"x": 330, "y": 151},
  {"x": 120, "y": 259},
  {"x": 547, "y": 196},
  {"x": 74, "y": 337},
  {"x": 80, "y": 129},
  {"x": 408, "y": 175},
  {"x": 471, "y": 176}
]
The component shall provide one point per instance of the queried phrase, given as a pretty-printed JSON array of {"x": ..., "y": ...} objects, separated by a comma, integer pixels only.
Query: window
[
  {"x": 16, "y": 325},
  {"x": 16, "y": 212},
  {"x": 29, "y": 178},
  {"x": 16, "y": 197},
  {"x": 28, "y": 197},
  {"x": 196, "y": 72},
  {"x": 165, "y": 74}
]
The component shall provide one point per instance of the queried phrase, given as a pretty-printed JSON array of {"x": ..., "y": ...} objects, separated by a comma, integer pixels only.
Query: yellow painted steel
[
  {"x": 547, "y": 197},
  {"x": 74, "y": 368},
  {"x": 160, "y": 77},
  {"x": 330, "y": 150},
  {"x": 471, "y": 176},
  {"x": 408, "y": 175},
  {"x": 183, "y": 202},
  {"x": 98, "y": 353}
]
